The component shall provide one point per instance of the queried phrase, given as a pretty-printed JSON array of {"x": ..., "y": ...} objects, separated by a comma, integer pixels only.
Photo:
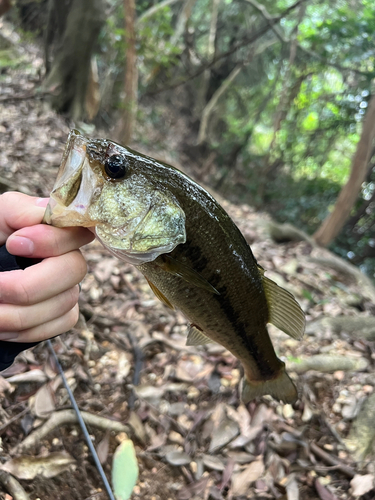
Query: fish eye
[{"x": 115, "y": 166}]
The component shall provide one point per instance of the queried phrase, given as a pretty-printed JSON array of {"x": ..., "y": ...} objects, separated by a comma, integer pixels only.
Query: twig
[
  {"x": 270, "y": 20},
  {"x": 13, "y": 419},
  {"x": 66, "y": 417},
  {"x": 23, "y": 97},
  {"x": 13, "y": 486},
  {"x": 246, "y": 41},
  {"x": 152, "y": 10},
  {"x": 138, "y": 363},
  {"x": 331, "y": 460}
]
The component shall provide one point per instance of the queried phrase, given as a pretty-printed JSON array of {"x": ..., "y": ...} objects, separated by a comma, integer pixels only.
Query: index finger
[
  {"x": 41, "y": 281},
  {"x": 19, "y": 210}
]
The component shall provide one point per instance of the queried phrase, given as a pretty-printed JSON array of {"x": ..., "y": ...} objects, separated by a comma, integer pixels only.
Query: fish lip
[{"x": 73, "y": 164}]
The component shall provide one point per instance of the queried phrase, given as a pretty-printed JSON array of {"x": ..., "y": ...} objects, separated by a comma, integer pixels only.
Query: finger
[
  {"x": 19, "y": 210},
  {"x": 42, "y": 241},
  {"x": 43, "y": 280},
  {"x": 51, "y": 328},
  {"x": 17, "y": 318}
]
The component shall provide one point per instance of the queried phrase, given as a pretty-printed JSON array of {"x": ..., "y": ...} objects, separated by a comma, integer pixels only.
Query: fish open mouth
[{"x": 73, "y": 189}]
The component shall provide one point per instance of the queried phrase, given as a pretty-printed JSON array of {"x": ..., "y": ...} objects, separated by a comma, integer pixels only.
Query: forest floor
[{"x": 127, "y": 362}]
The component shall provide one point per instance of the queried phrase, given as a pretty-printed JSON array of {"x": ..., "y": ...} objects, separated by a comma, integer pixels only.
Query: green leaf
[
  {"x": 311, "y": 121},
  {"x": 124, "y": 470}
]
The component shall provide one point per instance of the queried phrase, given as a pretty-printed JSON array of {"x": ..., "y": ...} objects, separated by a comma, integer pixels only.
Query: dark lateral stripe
[{"x": 261, "y": 357}]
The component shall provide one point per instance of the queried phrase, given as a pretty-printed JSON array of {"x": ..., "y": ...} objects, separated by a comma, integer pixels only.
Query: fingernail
[
  {"x": 22, "y": 246},
  {"x": 9, "y": 335},
  {"x": 42, "y": 202}
]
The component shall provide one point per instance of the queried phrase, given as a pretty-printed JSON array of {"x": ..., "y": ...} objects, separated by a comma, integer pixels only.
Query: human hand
[{"x": 41, "y": 301}]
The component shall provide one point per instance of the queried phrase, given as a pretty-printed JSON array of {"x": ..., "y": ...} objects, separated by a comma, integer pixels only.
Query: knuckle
[
  {"x": 54, "y": 242},
  {"x": 80, "y": 265},
  {"x": 21, "y": 294},
  {"x": 73, "y": 317},
  {"x": 14, "y": 291},
  {"x": 9, "y": 197},
  {"x": 11, "y": 321},
  {"x": 73, "y": 296}
]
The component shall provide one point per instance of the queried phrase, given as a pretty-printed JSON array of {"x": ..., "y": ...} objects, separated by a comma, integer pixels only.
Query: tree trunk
[
  {"x": 70, "y": 69},
  {"x": 127, "y": 121},
  {"x": 210, "y": 54},
  {"x": 333, "y": 224},
  {"x": 5, "y": 5}
]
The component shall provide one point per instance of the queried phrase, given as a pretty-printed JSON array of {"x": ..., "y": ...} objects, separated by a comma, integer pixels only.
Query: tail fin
[{"x": 280, "y": 387}]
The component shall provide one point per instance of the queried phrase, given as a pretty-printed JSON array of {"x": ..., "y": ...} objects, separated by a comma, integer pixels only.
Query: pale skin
[{"x": 40, "y": 301}]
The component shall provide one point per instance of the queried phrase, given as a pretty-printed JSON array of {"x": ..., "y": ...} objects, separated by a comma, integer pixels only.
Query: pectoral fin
[
  {"x": 197, "y": 337},
  {"x": 284, "y": 311},
  {"x": 160, "y": 295},
  {"x": 172, "y": 266}
]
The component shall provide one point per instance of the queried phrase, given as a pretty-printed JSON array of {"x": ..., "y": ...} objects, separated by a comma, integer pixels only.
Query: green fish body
[{"x": 188, "y": 248}]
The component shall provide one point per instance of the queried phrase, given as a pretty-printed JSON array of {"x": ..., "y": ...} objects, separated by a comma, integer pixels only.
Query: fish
[{"x": 192, "y": 254}]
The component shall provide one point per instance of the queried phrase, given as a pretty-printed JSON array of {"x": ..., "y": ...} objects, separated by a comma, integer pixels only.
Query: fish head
[{"x": 105, "y": 186}]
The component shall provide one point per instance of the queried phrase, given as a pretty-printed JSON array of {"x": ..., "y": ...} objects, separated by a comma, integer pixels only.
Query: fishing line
[{"x": 82, "y": 424}]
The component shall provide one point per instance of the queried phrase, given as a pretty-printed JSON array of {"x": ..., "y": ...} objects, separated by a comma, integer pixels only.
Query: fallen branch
[
  {"x": 327, "y": 363},
  {"x": 67, "y": 417},
  {"x": 331, "y": 460},
  {"x": 13, "y": 486},
  {"x": 25, "y": 97}
]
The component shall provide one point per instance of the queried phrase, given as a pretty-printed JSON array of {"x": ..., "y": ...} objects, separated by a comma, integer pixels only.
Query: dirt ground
[{"x": 127, "y": 362}]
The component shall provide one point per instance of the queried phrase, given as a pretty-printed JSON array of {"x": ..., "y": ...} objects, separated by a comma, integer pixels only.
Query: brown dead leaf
[
  {"x": 292, "y": 490},
  {"x": 214, "y": 463},
  {"x": 222, "y": 428},
  {"x": 223, "y": 435},
  {"x": 103, "y": 448},
  {"x": 322, "y": 491},
  {"x": 136, "y": 424},
  {"x": 198, "y": 489},
  {"x": 360, "y": 485},
  {"x": 177, "y": 458},
  {"x": 28, "y": 467},
  {"x": 4, "y": 385},
  {"x": 43, "y": 402},
  {"x": 242, "y": 480}
]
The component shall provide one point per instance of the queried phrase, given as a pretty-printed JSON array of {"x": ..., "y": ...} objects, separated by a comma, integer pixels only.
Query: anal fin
[
  {"x": 197, "y": 337},
  {"x": 284, "y": 311},
  {"x": 160, "y": 295}
]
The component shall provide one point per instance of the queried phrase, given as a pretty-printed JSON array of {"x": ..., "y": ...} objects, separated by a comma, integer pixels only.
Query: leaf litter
[{"x": 132, "y": 373}]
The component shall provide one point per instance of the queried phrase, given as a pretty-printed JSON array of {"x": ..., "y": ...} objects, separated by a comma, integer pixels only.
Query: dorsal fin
[
  {"x": 197, "y": 337},
  {"x": 284, "y": 310}
]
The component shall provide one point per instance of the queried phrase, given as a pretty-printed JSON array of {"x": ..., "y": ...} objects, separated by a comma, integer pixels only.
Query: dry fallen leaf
[
  {"x": 43, "y": 403},
  {"x": 242, "y": 481},
  {"x": 177, "y": 458},
  {"x": 103, "y": 448},
  {"x": 28, "y": 467},
  {"x": 361, "y": 484},
  {"x": 4, "y": 385}
]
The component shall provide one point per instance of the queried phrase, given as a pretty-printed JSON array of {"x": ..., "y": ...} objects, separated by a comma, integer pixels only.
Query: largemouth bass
[{"x": 190, "y": 251}]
